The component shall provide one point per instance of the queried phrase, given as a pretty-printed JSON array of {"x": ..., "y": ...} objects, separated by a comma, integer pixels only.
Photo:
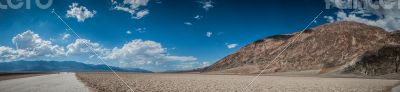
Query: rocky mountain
[
  {"x": 59, "y": 66},
  {"x": 341, "y": 47}
]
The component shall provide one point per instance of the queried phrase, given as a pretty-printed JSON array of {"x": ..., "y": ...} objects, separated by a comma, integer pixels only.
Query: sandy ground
[
  {"x": 106, "y": 82},
  {"x": 63, "y": 82}
]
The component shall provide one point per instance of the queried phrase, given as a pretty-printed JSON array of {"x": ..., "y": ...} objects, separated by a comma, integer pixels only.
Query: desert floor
[{"x": 107, "y": 82}]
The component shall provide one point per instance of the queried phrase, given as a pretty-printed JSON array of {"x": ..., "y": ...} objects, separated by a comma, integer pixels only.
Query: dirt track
[
  {"x": 106, "y": 82},
  {"x": 8, "y": 76},
  {"x": 63, "y": 82}
]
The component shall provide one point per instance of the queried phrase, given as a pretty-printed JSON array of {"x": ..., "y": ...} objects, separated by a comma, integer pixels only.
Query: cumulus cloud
[
  {"x": 133, "y": 7},
  {"x": 9, "y": 54},
  {"x": 29, "y": 45},
  {"x": 85, "y": 47},
  {"x": 387, "y": 13},
  {"x": 136, "y": 53},
  {"x": 206, "y": 4},
  {"x": 231, "y": 46},
  {"x": 31, "y": 41},
  {"x": 140, "y": 52},
  {"x": 209, "y": 34},
  {"x": 81, "y": 13}
]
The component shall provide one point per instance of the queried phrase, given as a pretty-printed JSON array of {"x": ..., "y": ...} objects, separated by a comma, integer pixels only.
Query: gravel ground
[
  {"x": 107, "y": 82},
  {"x": 63, "y": 82}
]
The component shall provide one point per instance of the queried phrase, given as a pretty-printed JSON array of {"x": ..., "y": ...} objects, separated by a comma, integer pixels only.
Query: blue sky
[{"x": 176, "y": 29}]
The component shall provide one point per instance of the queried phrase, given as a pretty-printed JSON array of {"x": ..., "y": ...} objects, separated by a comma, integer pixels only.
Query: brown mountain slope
[{"x": 336, "y": 47}]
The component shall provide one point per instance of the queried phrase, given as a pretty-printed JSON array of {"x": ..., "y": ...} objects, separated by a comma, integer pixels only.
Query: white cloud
[
  {"x": 139, "y": 52},
  {"x": 329, "y": 19},
  {"x": 30, "y": 41},
  {"x": 138, "y": 30},
  {"x": 188, "y": 23},
  {"x": 81, "y": 13},
  {"x": 128, "y": 32},
  {"x": 141, "y": 30},
  {"x": 197, "y": 17},
  {"x": 231, "y": 46},
  {"x": 134, "y": 54},
  {"x": 206, "y": 4},
  {"x": 205, "y": 64},
  {"x": 209, "y": 34},
  {"x": 132, "y": 7},
  {"x": 385, "y": 23},
  {"x": 190, "y": 65},
  {"x": 136, "y": 3},
  {"x": 387, "y": 18},
  {"x": 85, "y": 47},
  {"x": 29, "y": 45},
  {"x": 125, "y": 9},
  {"x": 9, "y": 54},
  {"x": 65, "y": 36},
  {"x": 179, "y": 58},
  {"x": 141, "y": 14}
]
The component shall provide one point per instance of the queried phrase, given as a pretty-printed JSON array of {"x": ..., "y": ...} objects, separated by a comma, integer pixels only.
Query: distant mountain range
[
  {"x": 341, "y": 47},
  {"x": 60, "y": 66}
]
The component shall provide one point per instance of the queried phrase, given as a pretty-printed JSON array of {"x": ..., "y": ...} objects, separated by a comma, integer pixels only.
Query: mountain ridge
[{"x": 60, "y": 66}]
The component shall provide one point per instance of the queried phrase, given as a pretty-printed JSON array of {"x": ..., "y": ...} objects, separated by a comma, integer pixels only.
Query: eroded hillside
[{"x": 346, "y": 47}]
